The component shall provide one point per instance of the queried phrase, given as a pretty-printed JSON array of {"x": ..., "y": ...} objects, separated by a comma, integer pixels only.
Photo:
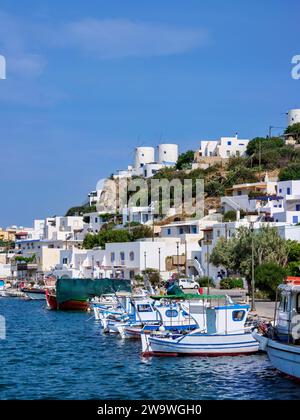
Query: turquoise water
[{"x": 61, "y": 355}]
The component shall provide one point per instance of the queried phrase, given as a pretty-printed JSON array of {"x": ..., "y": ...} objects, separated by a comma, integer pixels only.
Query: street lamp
[{"x": 253, "y": 308}]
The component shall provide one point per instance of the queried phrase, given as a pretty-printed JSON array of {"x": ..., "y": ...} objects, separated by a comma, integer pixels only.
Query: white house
[
  {"x": 246, "y": 196},
  {"x": 64, "y": 228},
  {"x": 223, "y": 148},
  {"x": 286, "y": 206}
]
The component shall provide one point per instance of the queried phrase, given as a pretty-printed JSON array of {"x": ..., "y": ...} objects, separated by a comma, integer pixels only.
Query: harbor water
[{"x": 64, "y": 355}]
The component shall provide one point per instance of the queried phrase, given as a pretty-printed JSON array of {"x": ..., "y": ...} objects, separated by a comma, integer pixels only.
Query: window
[
  {"x": 131, "y": 274},
  {"x": 194, "y": 229},
  {"x": 122, "y": 256},
  {"x": 96, "y": 219},
  {"x": 112, "y": 257},
  {"x": 280, "y": 190},
  {"x": 180, "y": 231},
  {"x": 131, "y": 256},
  {"x": 283, "y": 306},
  {"x": 229, "y": 143},
  {"x": 239, "y": 192},
  {"x": 171, "y": 313},
  {"x": 297, "y": 207},
  {"x": 169, "y": 231},
  {"x": 65, "y": 261},
  {"x": 144, "y": 308},
  {"x": 288, "y": 191},
  {"x": 298, "y": 303},
  {"x": 295, "y": 219},
  {"x": 238, "y": 315}
]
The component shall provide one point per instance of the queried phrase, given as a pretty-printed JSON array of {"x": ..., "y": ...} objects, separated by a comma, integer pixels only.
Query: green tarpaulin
[{"x": 83, "y": 289}]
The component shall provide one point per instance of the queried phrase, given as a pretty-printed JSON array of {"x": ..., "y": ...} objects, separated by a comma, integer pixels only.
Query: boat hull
[
  {"x": 285, "y": 358},
  {"x": 70, "y": 305},
  {"x": 200, "y": 345},
  {"x": 35, "y": 294}
]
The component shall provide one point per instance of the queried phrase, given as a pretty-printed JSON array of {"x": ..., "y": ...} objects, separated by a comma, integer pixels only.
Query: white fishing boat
[
  {"x": 225, "y": 333},
  {"x": 282, "y": 341},
  {"x": 104, "y": 304},
  {"x": 2, "y": 288},
  {"x": 34, "y": 293},
  {"x": 171, "y": 313}
]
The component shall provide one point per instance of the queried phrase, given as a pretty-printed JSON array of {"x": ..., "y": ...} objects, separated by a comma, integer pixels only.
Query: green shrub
[
  {"x": 231, "y": 283},
  {"x": 290, "y": 173},
  {"x": 293, "y": 269},
  {"x": 203, "y": 281},
  {"x": 185, "y": 160},
  {"x": 268, "y": 277}
]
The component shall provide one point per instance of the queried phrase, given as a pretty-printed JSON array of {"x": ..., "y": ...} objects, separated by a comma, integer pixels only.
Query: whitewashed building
[{"x": 223, "y": 148}]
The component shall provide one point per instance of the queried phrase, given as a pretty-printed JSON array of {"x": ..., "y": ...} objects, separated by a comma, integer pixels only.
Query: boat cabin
[
  {"x": 287, "y": 318},
  {"x": 227, "y": 319}
]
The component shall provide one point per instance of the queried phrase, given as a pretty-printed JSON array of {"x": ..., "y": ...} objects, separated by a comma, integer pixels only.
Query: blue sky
[{"x": 87, "y": 81}]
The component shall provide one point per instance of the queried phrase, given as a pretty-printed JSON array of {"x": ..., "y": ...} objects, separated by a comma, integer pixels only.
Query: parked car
[{"x": 188, "y": 284}]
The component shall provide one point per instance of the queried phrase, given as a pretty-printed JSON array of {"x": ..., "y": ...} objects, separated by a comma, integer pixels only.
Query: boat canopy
[
  {"x": 84, "y": 289},
  {"x": 189, "y": 296}
]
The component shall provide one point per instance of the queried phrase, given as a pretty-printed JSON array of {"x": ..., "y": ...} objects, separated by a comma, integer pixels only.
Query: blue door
[{"x": 295, "y": 219}]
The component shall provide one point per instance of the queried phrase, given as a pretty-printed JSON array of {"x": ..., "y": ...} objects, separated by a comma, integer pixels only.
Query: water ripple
[{"x": 57, "y": 355}]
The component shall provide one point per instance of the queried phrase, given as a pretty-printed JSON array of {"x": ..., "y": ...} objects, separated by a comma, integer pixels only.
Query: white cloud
[{"x": 120, "y": 38}]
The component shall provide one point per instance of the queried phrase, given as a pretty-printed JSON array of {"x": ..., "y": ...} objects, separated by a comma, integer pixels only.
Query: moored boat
[
  {"x": 282, "y": 341},
  {"x": 225, "y": 334},
  {"x": 75, "y": 294},
  {"x": 69, "y": 305},
  {"x": 34, "y": 293}
]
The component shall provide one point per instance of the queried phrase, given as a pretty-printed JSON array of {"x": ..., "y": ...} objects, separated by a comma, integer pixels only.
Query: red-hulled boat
[{"x": 70, "y": 305}]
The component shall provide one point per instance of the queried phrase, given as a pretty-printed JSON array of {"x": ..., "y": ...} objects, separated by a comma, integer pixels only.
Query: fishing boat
[
  {"x": 104, "y": 305},
  {"x": 69, "y": 305},
  {"x": 281, "y": 341},
  {"x": 75, "y": 294},
  {"x": 34, "y": 293},
  {"x": 225, "y": 333},
  {"x": 2, "y": 288},
  {"x": 159, "y": 313}
]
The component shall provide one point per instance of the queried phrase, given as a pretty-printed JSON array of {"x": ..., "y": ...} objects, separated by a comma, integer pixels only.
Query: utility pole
[
  {"x": 186, "y": 258},
  {"x": 178, "y": 270},
  {"x": 207, "y": 256},
  {"x": 253, "y": 308},
  {"x": 159, "y": 266}
]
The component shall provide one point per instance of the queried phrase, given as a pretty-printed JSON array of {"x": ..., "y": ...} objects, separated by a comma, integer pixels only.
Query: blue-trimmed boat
[
  {"x": 282, "y": 341},
  {"x": 227, "y": 333}
]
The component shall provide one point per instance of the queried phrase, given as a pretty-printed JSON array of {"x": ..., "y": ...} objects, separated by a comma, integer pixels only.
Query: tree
[
  {"x": 290, "y": 173},
  {"x": 80, "y": 210},
  {"x": 153, "y": 276},
  {"x": 293, "y": 269},
  {"x": 260, "y": 144},
  {"x": 223, "y": 254},
  {"x": 185, "y": 160},
  {"x": 139, "y": 232},
  {"x": 294, "y": 130},
  {"x": 268, "y": 277},
  {"x": 231, "y": 215},
  {"x": 235, "y": 254},
  {"x": 111, "y": 235},
  {"x": 293, "y": 251}
]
